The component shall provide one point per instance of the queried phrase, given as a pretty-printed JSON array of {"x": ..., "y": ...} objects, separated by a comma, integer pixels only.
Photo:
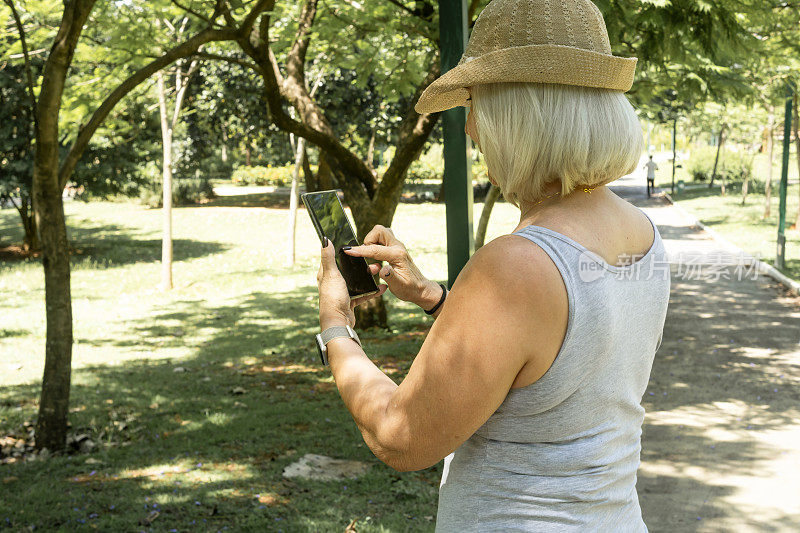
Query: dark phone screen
[{"x": 330, "y": 219}]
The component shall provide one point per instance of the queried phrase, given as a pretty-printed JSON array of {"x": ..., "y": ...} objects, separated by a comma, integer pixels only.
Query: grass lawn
[
  {"x": 744, "y": 225},
  {"x": 201, "y": 396}
]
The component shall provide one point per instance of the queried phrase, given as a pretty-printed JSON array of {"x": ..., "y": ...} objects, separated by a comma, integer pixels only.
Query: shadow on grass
[
  {"x": 10, "y": 227},
  {"x": 110, "y": 245},
  {"x": 8, "y": 333},
  {"x": 205, "y": 446}
]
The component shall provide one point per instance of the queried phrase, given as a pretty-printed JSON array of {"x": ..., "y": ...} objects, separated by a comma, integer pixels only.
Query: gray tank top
[{"x": 561, "y": 454}]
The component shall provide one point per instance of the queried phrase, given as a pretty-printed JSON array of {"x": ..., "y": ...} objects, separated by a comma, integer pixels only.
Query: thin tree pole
[
  {"x": 674, "y": 151},
  {"x": 293, "y": 199},
  {"x": 166, "y": 186},
  {"x": 771, "y": 149},
  {"x": 483, "y": 222}
]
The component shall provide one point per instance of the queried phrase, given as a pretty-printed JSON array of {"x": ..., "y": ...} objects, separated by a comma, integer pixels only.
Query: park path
[{"x": 721, "y": 438}]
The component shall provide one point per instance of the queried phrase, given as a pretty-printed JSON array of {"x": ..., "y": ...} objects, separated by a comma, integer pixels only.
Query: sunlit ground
[{"x": 198, "y": 398}]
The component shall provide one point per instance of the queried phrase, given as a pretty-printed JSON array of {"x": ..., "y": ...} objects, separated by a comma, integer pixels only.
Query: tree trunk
[
  {"x": 372, "y": 314},
  {"x": 298, "y": 161},
  {"x": 771, "y": 151},
  {"x": 51, "y": 425},
  {"x": 224, "y": 147},
  {"x": 30, "y": 241},
  {"x": 310, "y": 179},
  {"x": 247, "y": 153},
  {"x": 483, "y": 223},
  {"x": 166, "y": 237},
  {"x": 167, "y": 132},
  {"x": 746, "y": 184},
  {"x": 371, "y": 151},
  {"x": 49, "y": 180},
  {"x": 720, "y": 140},
  {"x": 372, "y": 201},
  {"x": 324, "y": 174}
]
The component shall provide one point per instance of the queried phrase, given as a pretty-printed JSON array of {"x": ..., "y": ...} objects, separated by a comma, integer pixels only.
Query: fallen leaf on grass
[
  {"x": 10, "y": 479},
  {"x": 271, "y": 499},
  {"x": 149, "y": 518}
]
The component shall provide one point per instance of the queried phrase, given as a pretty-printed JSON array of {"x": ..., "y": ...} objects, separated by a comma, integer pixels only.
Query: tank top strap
[{"x": 568, "y": 369}]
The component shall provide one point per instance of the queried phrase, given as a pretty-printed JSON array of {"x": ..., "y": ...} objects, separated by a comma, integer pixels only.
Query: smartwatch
[{"x": 332, "y": 333}]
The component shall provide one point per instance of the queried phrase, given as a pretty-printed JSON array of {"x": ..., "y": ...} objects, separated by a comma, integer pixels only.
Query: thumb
[
  {"x": 386, "y": 272},
  {"x": 328, "y": 256}
]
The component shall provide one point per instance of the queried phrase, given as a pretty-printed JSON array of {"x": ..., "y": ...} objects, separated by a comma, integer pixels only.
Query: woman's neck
[{"x": 552, "y": 198}]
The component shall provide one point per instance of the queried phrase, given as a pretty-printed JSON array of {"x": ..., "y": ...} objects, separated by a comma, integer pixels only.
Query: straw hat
[{"x": 543, "y": 41}]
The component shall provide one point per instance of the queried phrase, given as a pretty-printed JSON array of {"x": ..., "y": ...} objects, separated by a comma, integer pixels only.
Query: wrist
[
  {"x": 329, "y": 322},
  {"x": 430, "y": 295}
]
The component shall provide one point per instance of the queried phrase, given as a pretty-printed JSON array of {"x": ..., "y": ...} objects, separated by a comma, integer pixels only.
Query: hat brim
[{"x": 546, "y": 63}]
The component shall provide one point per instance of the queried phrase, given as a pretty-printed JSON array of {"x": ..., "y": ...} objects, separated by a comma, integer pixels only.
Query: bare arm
[{"x": 468, "y": 362}]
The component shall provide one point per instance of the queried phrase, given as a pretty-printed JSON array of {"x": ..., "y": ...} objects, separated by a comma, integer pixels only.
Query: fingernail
[
  {"x": 324, "y": 242},
  {"x": 346, "y": 247}
]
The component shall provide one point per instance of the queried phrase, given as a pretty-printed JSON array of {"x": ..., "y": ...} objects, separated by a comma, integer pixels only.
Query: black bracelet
[{"x": 441, "y": 300}]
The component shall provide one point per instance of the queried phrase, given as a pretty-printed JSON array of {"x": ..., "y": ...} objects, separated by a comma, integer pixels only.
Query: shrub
[
  {"x": 733, "y": 165},
  {"x": 424, "y": 169},
  {"x": 269, "y": 175},
  {"x": 185, "y": 191},
  {"x": 701, "y": 162}
]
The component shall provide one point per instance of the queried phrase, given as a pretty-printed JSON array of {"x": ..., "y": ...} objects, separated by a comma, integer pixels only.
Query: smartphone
[{"x": 330, "y": 220}]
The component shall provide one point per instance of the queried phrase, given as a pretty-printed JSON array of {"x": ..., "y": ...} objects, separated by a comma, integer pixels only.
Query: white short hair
[{"x": 532, "y": 134}]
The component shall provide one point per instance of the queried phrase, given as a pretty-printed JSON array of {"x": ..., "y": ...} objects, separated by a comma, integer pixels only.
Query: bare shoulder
[{"x": 513, "y": 262}]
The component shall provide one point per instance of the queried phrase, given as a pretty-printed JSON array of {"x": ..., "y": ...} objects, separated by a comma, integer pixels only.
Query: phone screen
[{"x": 331, "y": 221}]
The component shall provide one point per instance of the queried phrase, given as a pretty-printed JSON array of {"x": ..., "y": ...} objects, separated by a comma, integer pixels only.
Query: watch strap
[{"x": 334, "y": 332}]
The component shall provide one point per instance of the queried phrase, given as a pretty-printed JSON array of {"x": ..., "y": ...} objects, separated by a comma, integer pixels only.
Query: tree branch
[
  {"x": 401, "y": 6},
  {"x": 414, "y": 131},
  {"x": 473, "y": 6},
  {"x": 193, "y": 12},
  {"x": 24, "y": 41},
  {"x": 184, "y": 49},
  {"x": 296, "y": 58},
  {"x": 228, "y": 59}
]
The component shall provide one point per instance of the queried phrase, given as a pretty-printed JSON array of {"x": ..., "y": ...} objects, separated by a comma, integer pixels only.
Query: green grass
[
  {"x": 744, "y": 225},
  {"x": 181, "y": 443}
]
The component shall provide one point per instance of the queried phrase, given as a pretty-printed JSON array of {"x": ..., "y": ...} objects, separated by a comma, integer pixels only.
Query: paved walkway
[{"x": 721, "y": 439}]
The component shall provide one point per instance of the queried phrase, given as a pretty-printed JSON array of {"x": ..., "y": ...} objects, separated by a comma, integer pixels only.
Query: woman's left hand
[{"x": 335, "y": 305}]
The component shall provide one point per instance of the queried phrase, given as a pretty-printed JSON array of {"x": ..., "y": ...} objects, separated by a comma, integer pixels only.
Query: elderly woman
[{"x": 530, "y": 380}]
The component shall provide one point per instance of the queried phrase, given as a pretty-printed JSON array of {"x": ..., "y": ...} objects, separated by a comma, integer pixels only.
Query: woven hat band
[{"x": 534, "y": 63}]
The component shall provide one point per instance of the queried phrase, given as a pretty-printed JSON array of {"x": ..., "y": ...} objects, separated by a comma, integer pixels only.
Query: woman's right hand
[{"x": 400, "y": 273}]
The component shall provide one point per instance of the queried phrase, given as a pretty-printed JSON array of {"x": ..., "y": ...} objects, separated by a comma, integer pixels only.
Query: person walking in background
[{"x": 651, "y": 168}]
